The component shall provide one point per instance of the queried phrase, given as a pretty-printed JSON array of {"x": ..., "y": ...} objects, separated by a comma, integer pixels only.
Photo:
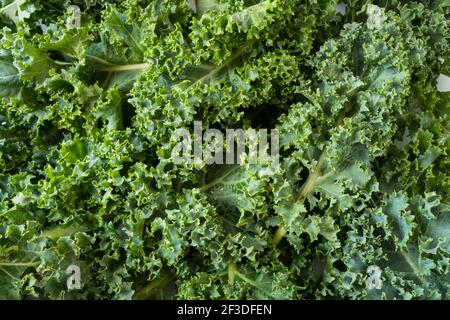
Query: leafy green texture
[{"x": 87, "y": 117}]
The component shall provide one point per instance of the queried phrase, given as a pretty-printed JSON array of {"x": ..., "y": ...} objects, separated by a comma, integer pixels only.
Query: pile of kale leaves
[{"x": 92, "y": 92}]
